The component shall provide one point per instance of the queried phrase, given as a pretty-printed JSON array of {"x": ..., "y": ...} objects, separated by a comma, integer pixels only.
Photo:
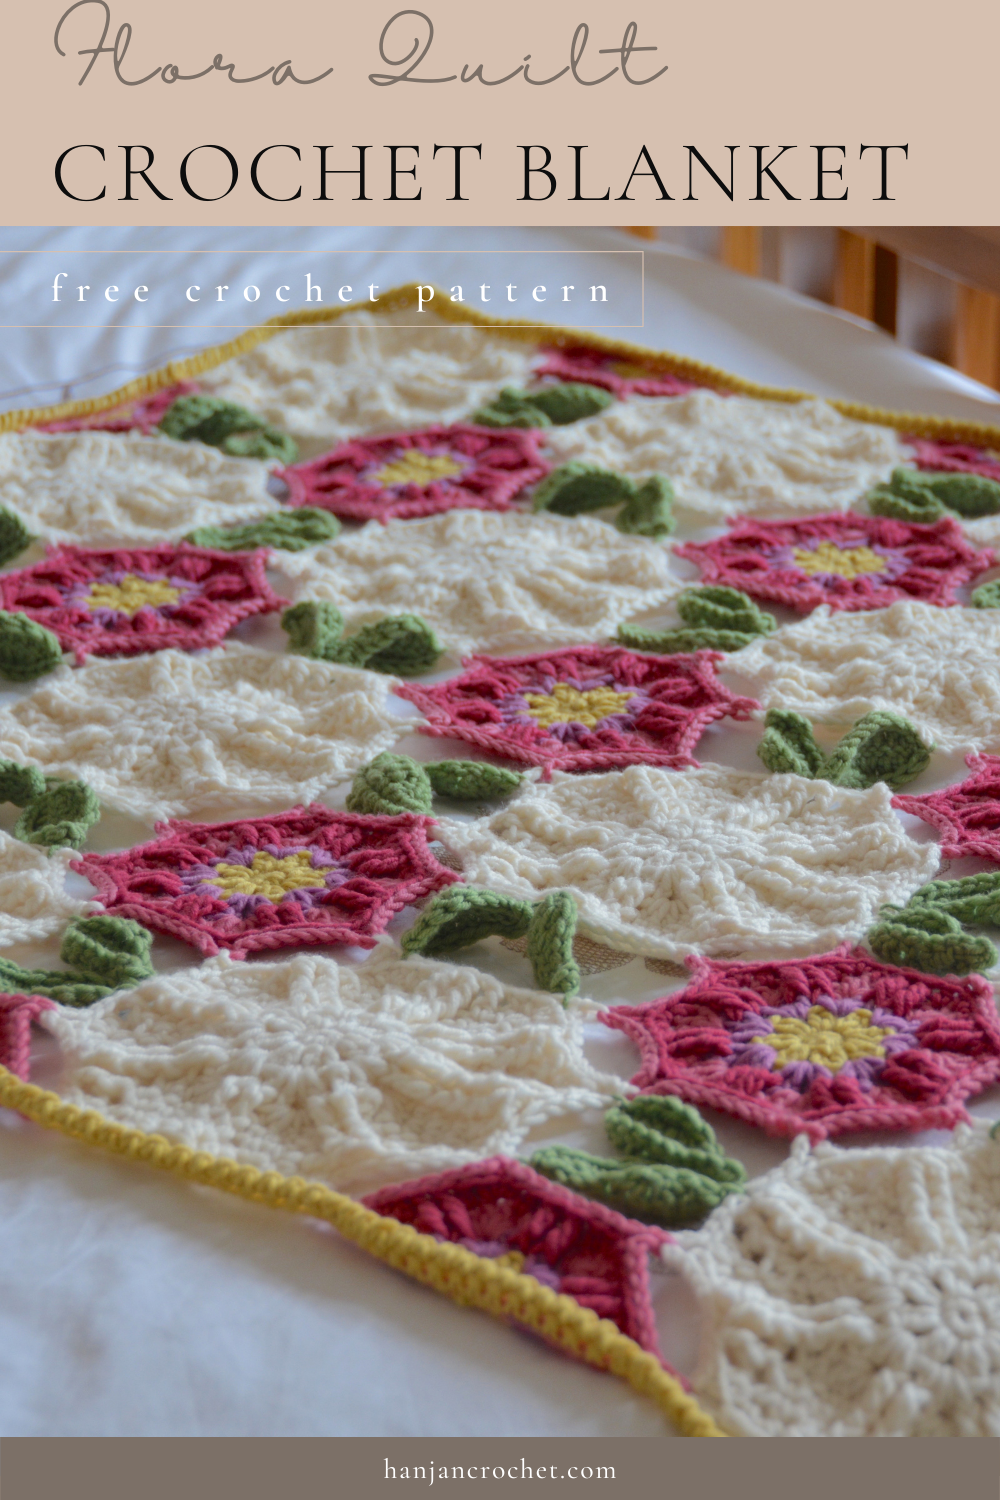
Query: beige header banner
[{"x": 457, "y": 112}]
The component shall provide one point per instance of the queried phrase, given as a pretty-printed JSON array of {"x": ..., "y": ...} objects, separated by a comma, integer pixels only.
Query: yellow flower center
[
  {"x": 567, "y": 705},
  {"x": 132, "y": 594},
  {"x": 416, "y": 467},
  {"x": 268, "y": 876},
  {"x": 826, "y": 1039},
  {"x": 845, "y": 562}
]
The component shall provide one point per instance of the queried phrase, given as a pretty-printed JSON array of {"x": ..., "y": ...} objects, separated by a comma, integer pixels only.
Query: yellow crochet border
[
  {"x": 457, "y": 1273},
  {"x": 984, "y": 434}
]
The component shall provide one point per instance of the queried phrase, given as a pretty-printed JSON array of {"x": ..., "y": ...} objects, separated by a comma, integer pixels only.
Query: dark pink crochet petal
[
  {"x": 205, "y": 594},
  {"x": 954, "y": 458},
  {"x": 596, "y": 367},
  {"x": 711, "y": 1044},
  {"x": 353, "y": 872},
  {"x": 570, "y": 1243},
  {"x": 659, "y": 707},
  {"x": 765, "y": 560},
  {"x": 492, "y": 467},
  {"x": 967, "y": 815},
  {"x": 142, "y": 415},
  {"x": 16, "y": 1015}
]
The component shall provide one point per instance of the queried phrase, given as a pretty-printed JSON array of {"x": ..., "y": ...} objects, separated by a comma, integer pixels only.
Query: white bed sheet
[{"x": 135, "y": 1305}]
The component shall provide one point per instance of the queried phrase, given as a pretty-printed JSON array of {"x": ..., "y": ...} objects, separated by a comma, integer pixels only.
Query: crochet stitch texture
[
  {"x": 355, "y": 1075},
  {"x": 854, "y": 1294},
  {"x": 488, "y": 582},
  {"x": 966, "y": 815},
  {"x": 409, "y": 474},
  {"x": 823, "y": 1046},
  {"x": 732, "y": 455},
  {"x": 306, "y": 876},
  {"x": 503, "y": 1210},
  {"x": 622, "y": 378},
  {"x": 103, "y": 488},
  {"x": 936, "y": 667},
  {"x": 125, "y": 601},
  {"x": 847, "y": 562},
  {"x": 33, "y": 900},
  {"x": 727, "y": 863},
  {"x": 173, "y": 735},
  {"x": 588, "y": 709}
]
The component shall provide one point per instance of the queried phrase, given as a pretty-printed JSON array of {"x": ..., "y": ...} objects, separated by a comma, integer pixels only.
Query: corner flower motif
[
  {"x": 846, "y": 561},
  {"x": 125, "y": 602},
  {"x": 589, "y": 708},
  {"x": 620, "y": 376},
  {"x": 822, "y": 1046},
  {"x": 504, "y": 1211},
  {"x": 419, "y": 473},
  {"x": 141, "y": 415},
  {"x": 306, "y": 876}
]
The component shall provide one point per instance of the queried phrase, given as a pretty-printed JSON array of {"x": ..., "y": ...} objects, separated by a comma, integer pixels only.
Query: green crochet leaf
[
  {"x": 27, "y": 649},
  {"x": 55, "y": 984},
  {"x": 14, "y": 536},
  {"x": 59, "y": 816},
  {"x": 570, "y": 401},
  {"x": 20, "y": 784},
  {"x": 789, "y": 745},
  {"x": 472, "y": 780},
  {"x": 662, "y": 1128},
  {"x": 577, "y": 487},
  {"x": 929, "y": 939},
  {"x": 550, "y": 944},
  {"x": 882, "y": 746},
  {"x": 286, "y": 531},
  {"x": 987, "y": 595},
  {"x": 974, "y": 899},
  {"x": 548, "y": 406},
  {"x": 670, "y": 1196},
  {"x": 106, "y": 950},
  {"x": 399, "y": 644},
  {"x": 715, "y": 618},
  {"x": 223, "y": 424},
  {"x": 390, "y": 784},
  {"x": 675, "y": 1171},
  {"x": 462, "y": 915},
  {"x": 648, "y": 511},
  {"x": 916, "y": 495}
]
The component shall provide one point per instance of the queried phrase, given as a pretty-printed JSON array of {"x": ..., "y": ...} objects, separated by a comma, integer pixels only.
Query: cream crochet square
[
  {"x": 327, "y": 384},
  {"x": 854, "y": 1293},
  {"x": 33, "y": 899},
  {"x": 490, "y": 582},
  {"x": 726, "y": 863},
  {"x": 109, "y": 488},
  {"x": 938, "y": 667},
  {"x": 353, "y": 1075},
  {"x": 228, "y": 731},
  {"x": 733, "y": 455}
]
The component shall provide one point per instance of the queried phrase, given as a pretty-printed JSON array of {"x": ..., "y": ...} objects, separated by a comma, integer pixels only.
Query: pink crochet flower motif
[
  {"x": 819, "y": 1045},
  {"x": 502, "y": 1208},
  {"x": 622, "y": 377},
  {"x": 306, "y": 876},
  {"x": 121, "y": 603},
  {"x": 419, "y": 473},
  {"x": 845, "y": 561},
  {"x": 142, "y": 415},
  {"x": 967, "y": 815},
  {"x": 16, "y": 1015},
  {"x": 588, "y": 708},
  {"x": 954, "y": 458}
]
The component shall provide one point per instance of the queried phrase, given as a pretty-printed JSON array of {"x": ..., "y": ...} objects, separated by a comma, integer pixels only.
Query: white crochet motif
[
  {"x": 938, "y": 667},
  {"x": 232, "y": 730},
  {"x": 489, "y": 582},
  {"x": 713, "y": 861},
  {"x": 107, "y": 488},
  {"x": 733, "y": 455},
  {"x": 354, "y": 1075},
  {"x": 854, "y": 1293},
  {"x": 33, "y": 901},
  {"x": 327, "y": 384}
]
